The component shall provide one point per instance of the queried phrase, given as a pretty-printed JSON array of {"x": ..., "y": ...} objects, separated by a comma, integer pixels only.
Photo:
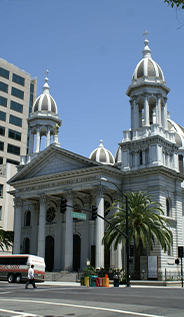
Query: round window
[{"x": 51, "y": 213}]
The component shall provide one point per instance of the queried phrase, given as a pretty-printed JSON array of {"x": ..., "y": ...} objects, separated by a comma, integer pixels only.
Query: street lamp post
[{"x": 127, "y": 231}]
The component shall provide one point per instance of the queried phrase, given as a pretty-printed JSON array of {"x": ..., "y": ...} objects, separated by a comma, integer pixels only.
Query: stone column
[
  {"x": 48, "y": 137},
  {"x": 31, "y": 141},
  {"x": 18, "y": 202},
  {"x": 42, "y": 224},
  {"x": 34, "y": 231},
  {"x": 146, "y": 110},
  {"x": 69, "y": 234},
  {"x": 85, "y": 245},
  {"x": 38, "y": 140},
  {"x": 165, "y": 114},
  {"x": 100, "y": 226},
  {"x": 136, "y": 114},
  {"x": 132, "y": 114},
  {"x": 159, "y": 110}
]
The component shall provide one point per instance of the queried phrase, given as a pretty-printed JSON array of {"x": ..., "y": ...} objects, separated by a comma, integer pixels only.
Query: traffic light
[
  {"x": 177, "y": 261},
  {"x": 180, "y": 252},
  {"x": 63, "y": 205},
  {"x": 94, "y": 212}
]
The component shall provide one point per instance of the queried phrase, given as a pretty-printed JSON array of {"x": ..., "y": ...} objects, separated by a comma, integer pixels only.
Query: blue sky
[{"x": 91, "y": 48}]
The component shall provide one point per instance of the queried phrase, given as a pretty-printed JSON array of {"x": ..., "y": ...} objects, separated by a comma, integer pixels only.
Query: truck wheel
[
  {"x": 18, "y": 279},
  {"x": 10, "y": 278}
]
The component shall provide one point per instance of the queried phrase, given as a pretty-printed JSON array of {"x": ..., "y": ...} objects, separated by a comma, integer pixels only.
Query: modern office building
[
  {"x": 17, "y": 95},
  {"x": 149, "y": 158}
]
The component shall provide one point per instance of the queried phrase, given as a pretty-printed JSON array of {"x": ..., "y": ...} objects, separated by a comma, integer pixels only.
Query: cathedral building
[{"x": 149, "y": 158}]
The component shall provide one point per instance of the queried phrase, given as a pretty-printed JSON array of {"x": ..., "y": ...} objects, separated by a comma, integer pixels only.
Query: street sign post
[{"x": 78, "y": 215}]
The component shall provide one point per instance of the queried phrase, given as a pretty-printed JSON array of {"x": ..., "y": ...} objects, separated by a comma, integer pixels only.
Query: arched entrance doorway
[
  {"x": 76, "y": 252},
  {"x": 49, "y": 253}
]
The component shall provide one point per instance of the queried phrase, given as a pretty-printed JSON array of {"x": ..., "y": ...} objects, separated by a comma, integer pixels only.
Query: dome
[
  {"x": 102, "y": 155},
  {"x": 179, "y": 132},
  {"x": 147, "y": 69},
  {"x": 118, "y": 155},
  {"x": 45, "y": 102}
]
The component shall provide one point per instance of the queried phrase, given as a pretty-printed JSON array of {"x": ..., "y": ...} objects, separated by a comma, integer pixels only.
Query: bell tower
[{"x": 149, "y": 142}]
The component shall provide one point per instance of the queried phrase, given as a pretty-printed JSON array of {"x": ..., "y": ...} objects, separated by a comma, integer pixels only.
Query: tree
[
  {"x": 6, "y": 239},
  {"x": 146, "y": 225},
  {"x": 177, "y": 3}
]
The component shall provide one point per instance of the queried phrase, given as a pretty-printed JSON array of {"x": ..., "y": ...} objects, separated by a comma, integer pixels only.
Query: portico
[{"x": 39, "y": 190}]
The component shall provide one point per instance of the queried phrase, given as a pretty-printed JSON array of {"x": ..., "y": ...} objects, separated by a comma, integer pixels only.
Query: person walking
[{"x": 30, "y": 277}]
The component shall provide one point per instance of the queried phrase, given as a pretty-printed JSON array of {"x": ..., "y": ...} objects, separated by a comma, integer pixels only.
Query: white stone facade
[{"x": 149, "y": 158}]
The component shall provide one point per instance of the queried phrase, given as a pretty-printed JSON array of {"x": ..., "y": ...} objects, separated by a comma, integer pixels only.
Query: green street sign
[{"x": 78, "y": 215}]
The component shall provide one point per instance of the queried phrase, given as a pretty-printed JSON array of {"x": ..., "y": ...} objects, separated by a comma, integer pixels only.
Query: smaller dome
[
  {"x": 45, "y": 102},
  {"x": 102, "y": 155},
  {"x": 147, "y": 67},
  {"x": 118, "y": 155}
]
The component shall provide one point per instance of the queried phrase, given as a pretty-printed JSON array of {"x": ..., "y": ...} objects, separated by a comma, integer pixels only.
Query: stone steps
[{"x": 62, "y": 276}]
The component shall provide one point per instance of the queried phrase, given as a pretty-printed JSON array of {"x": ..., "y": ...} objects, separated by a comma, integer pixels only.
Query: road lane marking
[
  {"x": 81, "y": 306},
  {"x": 22, "y": 314}
]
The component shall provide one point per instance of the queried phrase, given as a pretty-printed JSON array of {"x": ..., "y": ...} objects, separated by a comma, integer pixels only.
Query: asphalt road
[{"x": 59, "y": 300}]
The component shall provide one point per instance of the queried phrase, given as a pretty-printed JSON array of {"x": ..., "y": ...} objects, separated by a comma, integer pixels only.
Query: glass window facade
[
  {"x": 2, "y": 131},
  {"x": 12, "y": 162},
  {"x": 17, "y": 93},
  {"x": 13, "y": 149},
  {"x": 15, "y": 120},
  {"x": 2, "y": 116},
  {"x": 0, "y": 212},
  {"x": 18, "y": 79},
  {"x": 4, "y": 73},
  {"x": 1, "y": 160},
  {"x": 3, "y": 87},
  {"x": 1, "y": 146},
  {"x": 3, "y": 101},
  {"x": 14, "y": 135},
  {"x": 16, "y": 106}
]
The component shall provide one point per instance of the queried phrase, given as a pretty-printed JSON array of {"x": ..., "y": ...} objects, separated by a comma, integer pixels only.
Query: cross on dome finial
[
  {"x": 146, "y": 33},
  {"x": 46, "y": 78},
  {"x": 46, "y": 86},
  {"x": 146, "y": 51}
]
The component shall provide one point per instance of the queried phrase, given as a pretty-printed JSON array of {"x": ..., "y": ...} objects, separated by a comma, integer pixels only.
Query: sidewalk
[{"x": 159, "y": 284}]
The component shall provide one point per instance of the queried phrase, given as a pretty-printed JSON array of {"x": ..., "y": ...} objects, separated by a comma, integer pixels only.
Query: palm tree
[
  {"x": 146, "y": 224},
  {"x": 6, "y": 239}
]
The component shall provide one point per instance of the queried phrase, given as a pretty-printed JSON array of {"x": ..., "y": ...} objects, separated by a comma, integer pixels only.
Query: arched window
[
  {"x": 26, "y": 245},
  {"x": 27, "y": 219},
  {"x": 168, "y": 213}
]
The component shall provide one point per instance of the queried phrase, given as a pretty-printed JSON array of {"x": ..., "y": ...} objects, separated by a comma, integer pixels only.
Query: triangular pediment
[
  {"x": 57, "y": 163},
  {"x": 53, "y": 161}
]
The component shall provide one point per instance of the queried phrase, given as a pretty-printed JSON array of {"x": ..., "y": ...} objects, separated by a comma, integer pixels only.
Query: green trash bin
[{"x": 90, "y": 280}]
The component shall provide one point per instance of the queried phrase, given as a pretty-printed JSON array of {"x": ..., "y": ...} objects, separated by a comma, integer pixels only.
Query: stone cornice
[{"x": 153, "y": 170}]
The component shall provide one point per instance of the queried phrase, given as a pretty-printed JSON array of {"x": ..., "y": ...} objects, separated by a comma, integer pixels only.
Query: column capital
[
  {"x": 100, "y": 189},
  {"x": 87, "y": 199},
  {"x": 36, "y": 206},
  {"x": 145, "y": 95},
  {"x": 43, "y": 198},
  {"x": 18, "y": 202},
  {"x": 69, "y": 194}
]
